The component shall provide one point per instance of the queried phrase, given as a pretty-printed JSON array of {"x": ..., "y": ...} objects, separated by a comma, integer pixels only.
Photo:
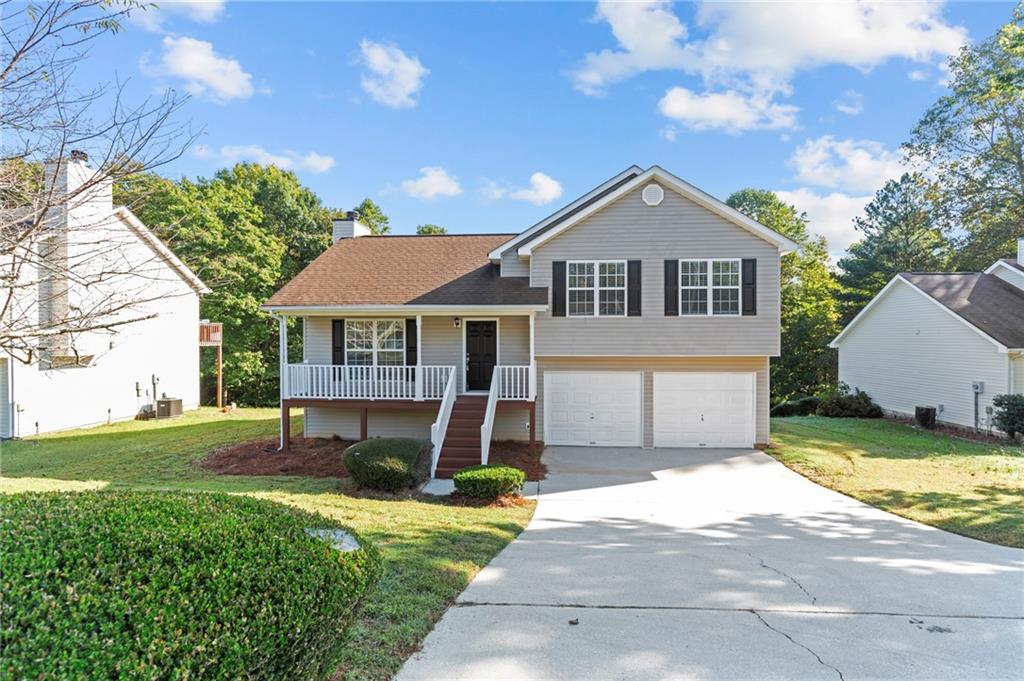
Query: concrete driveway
[{"x": 724, "y": 564}]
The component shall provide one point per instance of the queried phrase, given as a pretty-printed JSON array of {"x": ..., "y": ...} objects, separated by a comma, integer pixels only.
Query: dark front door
[{"x": 481, "y": 354}]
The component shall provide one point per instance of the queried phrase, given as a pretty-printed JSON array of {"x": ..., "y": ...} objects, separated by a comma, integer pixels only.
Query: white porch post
[
  {"x": 419, "y": 358},
  {"x": 533, "y": 361},
  {"x": 282, "y": 328}
]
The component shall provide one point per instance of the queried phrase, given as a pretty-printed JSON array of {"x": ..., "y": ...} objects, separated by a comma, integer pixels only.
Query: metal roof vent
[{"x": 653, "y": 194}]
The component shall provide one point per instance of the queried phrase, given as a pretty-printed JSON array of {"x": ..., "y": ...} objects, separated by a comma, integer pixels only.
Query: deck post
[
  {"x": 220, "y": 377},
  {"x": 532, "y": 393},
  {"x": 533, "y": 427},
  {"x": 419, "y": 359},
  {"x": 363, "y": 429},
  {"x": 282, "y": 328}
]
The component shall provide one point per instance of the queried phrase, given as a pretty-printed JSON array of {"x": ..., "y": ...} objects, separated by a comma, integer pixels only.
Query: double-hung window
[
  {"x": 596, "y": 289},
  {"x": 709, "y": 287},
  {"x": 375, "y": 341}
]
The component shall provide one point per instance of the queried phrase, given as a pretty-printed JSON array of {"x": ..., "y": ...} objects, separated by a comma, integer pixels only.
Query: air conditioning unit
[{"x": 168, "y": 407}]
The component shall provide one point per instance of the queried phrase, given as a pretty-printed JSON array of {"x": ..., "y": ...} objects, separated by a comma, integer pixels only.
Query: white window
[
  {"x": 375, "y": 341},
  {"x": 596, "y": 289},
  {"x": 709, "y": 287}
]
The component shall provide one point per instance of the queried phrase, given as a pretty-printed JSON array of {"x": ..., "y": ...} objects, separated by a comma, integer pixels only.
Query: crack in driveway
[
  {"x": 792, "y": 640},
  {"x": 765, "y": 565}
]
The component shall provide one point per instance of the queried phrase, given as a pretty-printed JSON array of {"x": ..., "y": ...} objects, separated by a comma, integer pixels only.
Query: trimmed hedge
[
  {"x": 490, "y": 481},
  {"x": 172, "y": 585},
  {"x": 802, "y": 406},
  {"x": 388, "y": 464},
  {"x": 1009, "y": 414},
  {"x": 846, "y": 403}
]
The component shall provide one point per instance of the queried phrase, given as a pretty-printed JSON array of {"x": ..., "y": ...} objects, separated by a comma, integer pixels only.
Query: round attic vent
[{"x": 653, "y": 194}]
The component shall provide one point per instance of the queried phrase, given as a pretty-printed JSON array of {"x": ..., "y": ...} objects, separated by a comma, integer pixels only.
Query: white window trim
[
  {"x": 709, "y": 287},
  {"x": 374, "y": 349},
  {"x": 597, "y": 288}
]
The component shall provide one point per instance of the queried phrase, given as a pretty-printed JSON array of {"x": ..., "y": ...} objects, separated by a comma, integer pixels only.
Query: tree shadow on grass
[{"x": 993, "y": 513}]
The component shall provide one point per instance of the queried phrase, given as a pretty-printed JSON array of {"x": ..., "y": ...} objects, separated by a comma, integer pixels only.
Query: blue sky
[{"x": 487, "y": 117}]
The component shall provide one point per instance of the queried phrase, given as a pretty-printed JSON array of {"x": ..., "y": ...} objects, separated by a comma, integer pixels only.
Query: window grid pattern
[
  {"x": 596, "y": 289},
  {"x": 709, "y": 287},
  {"x": 375, "y": 342}
]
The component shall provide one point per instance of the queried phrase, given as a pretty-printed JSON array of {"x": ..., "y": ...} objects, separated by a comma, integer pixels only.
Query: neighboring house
[
  {"x": 100, "y": 375},
  {"x": 952, "y": 341},
  {"x": 643, "y": 314}
]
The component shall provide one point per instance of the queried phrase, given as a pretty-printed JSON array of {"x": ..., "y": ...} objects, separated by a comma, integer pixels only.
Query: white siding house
[
  {"x": 931, "y": 339},
  {"x": 113, "y": 380}
]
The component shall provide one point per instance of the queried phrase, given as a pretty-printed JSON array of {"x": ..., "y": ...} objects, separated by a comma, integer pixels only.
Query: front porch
[{"x": 393, "y": 374}]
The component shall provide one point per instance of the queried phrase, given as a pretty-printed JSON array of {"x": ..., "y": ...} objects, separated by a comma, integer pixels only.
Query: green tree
[
  {"x": 373, "y": 217},
  {"x": 972, "y": 142},
  {"x": 809, "y": 310},
  {"x": 245, "y": 232},
  {"x": 899, "y": 235},
  {"x": 431, "y": 228}
]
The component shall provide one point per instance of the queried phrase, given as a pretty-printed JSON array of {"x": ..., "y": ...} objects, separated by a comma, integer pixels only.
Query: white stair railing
[
  {"x": 515, "y": 382},
  {"x": 440, "y": 426},
  {"x": 487, "y": 427}
]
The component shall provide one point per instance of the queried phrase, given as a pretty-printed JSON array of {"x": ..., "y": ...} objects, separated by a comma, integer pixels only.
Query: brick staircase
[{"x": 461, "y": 446}]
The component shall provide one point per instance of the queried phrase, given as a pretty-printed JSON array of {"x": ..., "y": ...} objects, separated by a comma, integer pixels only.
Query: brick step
[
  {"x": 468, "y": 412},
  {"x": 460, "y": 452},
  {"x": 465, "y": 442},
  {"x": 465, "y": 424},
  {"x": 458, "y": 462}
]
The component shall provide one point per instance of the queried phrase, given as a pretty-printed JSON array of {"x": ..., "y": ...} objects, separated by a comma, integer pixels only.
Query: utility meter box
[{"x": 978, "y": 387}]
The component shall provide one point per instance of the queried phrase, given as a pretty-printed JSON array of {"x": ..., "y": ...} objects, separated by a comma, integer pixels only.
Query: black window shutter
[
  {"x": 633, "y": 288},
  {"x": 410, "y": 342},
  {"x": 558, "y": 288},
  {"x": 337, "y": 341},
  {"x": 749, "y": 292},
  {"x": 671, "y": 288}
]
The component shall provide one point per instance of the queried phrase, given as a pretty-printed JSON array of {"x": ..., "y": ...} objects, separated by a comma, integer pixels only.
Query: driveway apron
[{"x": 724, "y": 564}]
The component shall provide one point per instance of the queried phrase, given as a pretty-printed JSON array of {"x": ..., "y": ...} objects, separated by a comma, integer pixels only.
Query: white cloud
[
  {"x": 287, "y": 160},
  {"x": 153, "y": 17},
  {"x": 738, "y": 55},
  {"x": 648, "y": 34},
  {"x": 918, "y": 74},
  {"x": 830, "y": 215},
  {"x": 433, "y": 181},
  {"x": 730, "y": 111},
  {"x": 205, "y": 72},
  {"x": 669, "y": 133},
  {"x": 543, "y": 189},
  {"x": 393, "y": 78},
  {"x": 850, "y": 103},
  {"x": 853, "y": 165},
  {"x": 493, "y": 191}
]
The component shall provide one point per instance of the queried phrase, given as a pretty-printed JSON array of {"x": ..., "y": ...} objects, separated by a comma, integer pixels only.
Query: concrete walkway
[{"x": 724, "y": 564}]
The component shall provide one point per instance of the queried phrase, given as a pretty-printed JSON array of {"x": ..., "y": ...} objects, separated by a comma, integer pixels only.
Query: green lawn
[
  {"x": 431, "y": 550},
  {"x": 965, "y": 487}
]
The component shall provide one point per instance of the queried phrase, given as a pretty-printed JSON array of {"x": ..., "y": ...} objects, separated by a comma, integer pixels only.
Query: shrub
[
  {"x": 802, "y": 406},
  {"x": 388, "y": 463},
  {"x": 489, "y": 482},
  {"x": 1009, "y": 414},
  {"x": 172, "y": 585},
  {"x": 846, "y": 403}
]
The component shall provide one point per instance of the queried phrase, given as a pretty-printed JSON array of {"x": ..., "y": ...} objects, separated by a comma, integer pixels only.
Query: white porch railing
[
  {"x": 440, "y": 426},
  {"x": 348, "y": 382},
  {"x": 514, "y": 382},
  {"x": 487, "y": 427}
]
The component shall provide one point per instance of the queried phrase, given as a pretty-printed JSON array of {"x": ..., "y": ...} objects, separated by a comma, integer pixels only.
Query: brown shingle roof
[
  {"x": 408, "y": 270},
  {"x": 986, "y": 301}
]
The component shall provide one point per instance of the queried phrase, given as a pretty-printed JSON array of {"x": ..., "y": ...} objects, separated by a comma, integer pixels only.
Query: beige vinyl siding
[
  {"x": 5, "y": 399},
  {"x": 907, "y": 351},
  {"x": 330, "y": 421},
  {"x": 629, "y": 229},
  {"x": 648, "y": 365},
  {"x": 514, "y": 266}
]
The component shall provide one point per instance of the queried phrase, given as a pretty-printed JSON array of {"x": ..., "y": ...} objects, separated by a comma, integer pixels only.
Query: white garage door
[
  {"x": 593, "y": 408},
  {"x": 703, "y": 409}
]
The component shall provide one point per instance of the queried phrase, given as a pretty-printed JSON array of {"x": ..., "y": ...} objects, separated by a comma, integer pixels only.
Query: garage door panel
[
  {"x": 593, "y": 408},
  {"x": 703, "y": 409}
]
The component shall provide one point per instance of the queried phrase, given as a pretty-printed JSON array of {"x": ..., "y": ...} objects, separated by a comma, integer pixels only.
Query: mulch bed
[
  {"x": 307, "y": 456},
  {"x": 514, "y": 453},
  {"x": 506, "y": 501}
]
